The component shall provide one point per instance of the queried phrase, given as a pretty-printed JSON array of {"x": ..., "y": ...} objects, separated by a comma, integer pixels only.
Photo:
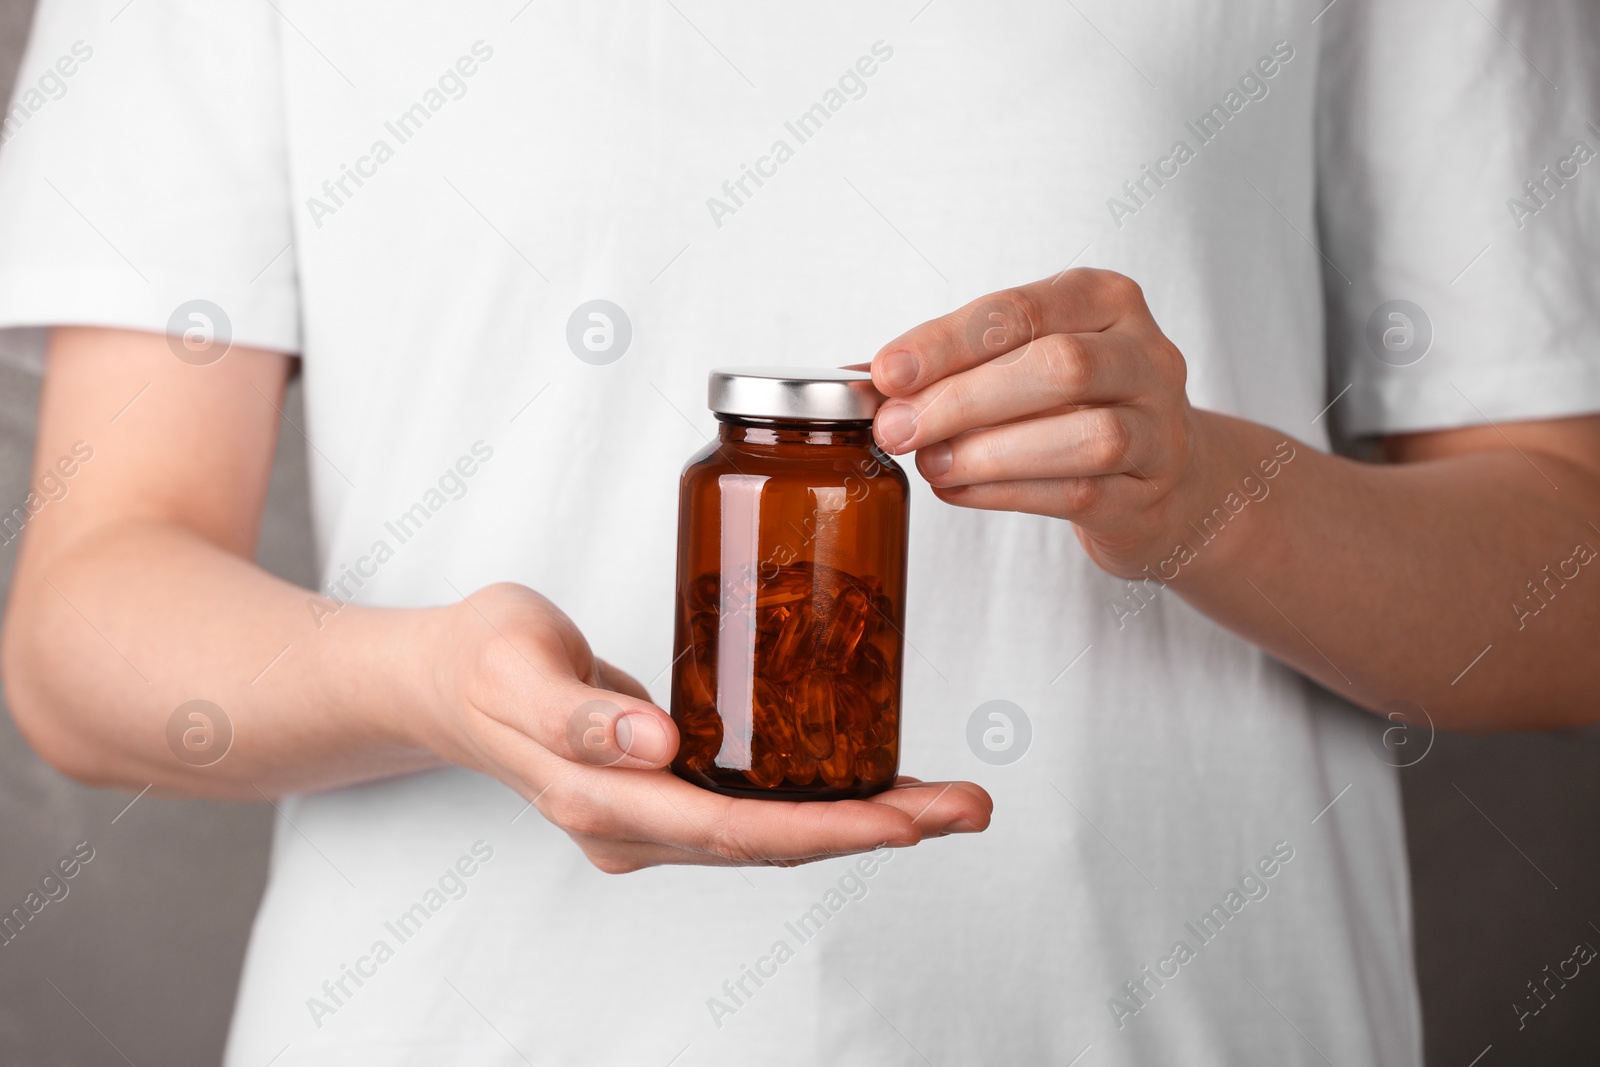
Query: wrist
[
  {"x": 398, "y": 692},
  {"x": 1235, "y": 467}
]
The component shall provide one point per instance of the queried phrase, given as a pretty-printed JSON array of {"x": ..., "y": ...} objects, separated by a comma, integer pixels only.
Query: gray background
[{"x": 139, "y": 963}]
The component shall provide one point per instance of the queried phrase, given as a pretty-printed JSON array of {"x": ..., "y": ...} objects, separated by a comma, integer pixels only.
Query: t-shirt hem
[
  {"x": 261, "y": 314},
  {"x": 1407, "y": 402}
]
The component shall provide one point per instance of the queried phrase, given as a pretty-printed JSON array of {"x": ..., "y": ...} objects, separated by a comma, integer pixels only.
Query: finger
[
  {"x": 938, "y": 808},
  {"x": 1060, "y": 370},
  {"x": 542, "y": 681},
  {"x": 618, "y": 856},
  {"x": 1080, "y": 500},
  {"x": 1083, "y": 443},
  {"x": 661, "y": 810},
  {"x": 594, "y": 726},
  {"x": 1075, "y": 301}
]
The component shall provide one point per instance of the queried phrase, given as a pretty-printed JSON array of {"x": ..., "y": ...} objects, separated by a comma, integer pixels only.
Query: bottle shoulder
[{"x": 824, "y": 465}]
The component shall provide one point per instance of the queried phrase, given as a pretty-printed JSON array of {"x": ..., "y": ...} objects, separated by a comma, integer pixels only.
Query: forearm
[
  {"x": 1458, "y": 584},
  {"x": 106, "y": 640}
]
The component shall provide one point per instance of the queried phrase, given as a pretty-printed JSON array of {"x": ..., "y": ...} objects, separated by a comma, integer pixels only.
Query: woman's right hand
[{"x": 523, "y": 698}]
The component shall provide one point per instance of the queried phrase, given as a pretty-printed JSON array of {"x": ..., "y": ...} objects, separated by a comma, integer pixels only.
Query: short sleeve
[
  {"x": 1459, "y": 211},
  {"x": 143, "y": 168}
]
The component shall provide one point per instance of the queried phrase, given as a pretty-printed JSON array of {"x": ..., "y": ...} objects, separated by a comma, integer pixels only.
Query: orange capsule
[
  {"x": 766, "y": 768},
  {"x": 884, "y": 729},
  {"x": 882, "y": 617},
  {"x": 815, "y": 713},
  {"x": 699, "y": 681},
  {"x": 704, "y": 593},
  {"x": 699, "y": 739},
  {"x": 886, "y": 639},
  {"x": 788, "y": 586},
  {"x": 802, "y": 769},
  {"x": 699, "y": 720},
  {"x": 699, "y": 764},
  {"x": 772, "y": 724},
  {"x": 859, "y": 716},
  {"x": 871, "y": 673},
  {"x": 838, "y": 770},
  {"x": 791, "y": 648},
  {"x": 842, "y": 633},
  {"x": 703, "y": 634},
  {"x": 874, "y": 765},
  {"x": 769, "y": 621}
]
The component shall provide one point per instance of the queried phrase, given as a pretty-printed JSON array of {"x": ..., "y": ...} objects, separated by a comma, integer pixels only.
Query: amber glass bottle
[{"x": 791, "y": 591}]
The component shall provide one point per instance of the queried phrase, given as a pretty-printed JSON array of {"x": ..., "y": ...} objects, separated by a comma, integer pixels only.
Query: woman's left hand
[{"x": 1060, "y": 398}]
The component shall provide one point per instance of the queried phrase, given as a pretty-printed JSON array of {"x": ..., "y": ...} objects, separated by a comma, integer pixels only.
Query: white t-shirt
[{"x": 1271, "y": 176}]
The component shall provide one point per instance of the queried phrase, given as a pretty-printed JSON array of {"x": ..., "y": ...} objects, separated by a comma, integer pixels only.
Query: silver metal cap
[{"x": 825, "y": 394}]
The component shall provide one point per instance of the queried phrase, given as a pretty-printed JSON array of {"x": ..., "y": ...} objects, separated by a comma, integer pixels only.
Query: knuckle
[
  {"x": 1170, "y": 365},
  {"x": 1080, "y": 496},
  {"x": 1112, "y": 438},
  {"x": 1122, "y": 290},
  {"x": 947, "y": 337},
  {"x": 502, "y": 590},
  {"x": 1022, "y": 313},
  {"x": 1002, "y": 322},
  {"x": 1079, "y": 279},
  {"x": 1066, "y": 364},
  {"x": 1107, "y": 287}
]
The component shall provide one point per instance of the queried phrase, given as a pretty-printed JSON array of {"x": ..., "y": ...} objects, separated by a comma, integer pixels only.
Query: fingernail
[
  {"x": 896, "y": 422},
  {"x": 642, "y": 737},
  {"x": 897, "y": 370},
  {"x": 935, "y": 459},
  {"x": 962, "y": 826}
]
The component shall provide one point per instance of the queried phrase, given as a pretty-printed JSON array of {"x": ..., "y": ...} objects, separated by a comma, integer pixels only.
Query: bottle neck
[{"x": 742, "y": 429}]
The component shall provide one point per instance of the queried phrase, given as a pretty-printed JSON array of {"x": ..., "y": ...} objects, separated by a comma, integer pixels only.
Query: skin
[
  {"x": 1381, "y": 581},
  {"x": 136, "y": 592}
]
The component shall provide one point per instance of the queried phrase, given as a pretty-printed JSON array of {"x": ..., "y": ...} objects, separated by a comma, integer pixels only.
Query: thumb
[{"x": 605, "y": 728}]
